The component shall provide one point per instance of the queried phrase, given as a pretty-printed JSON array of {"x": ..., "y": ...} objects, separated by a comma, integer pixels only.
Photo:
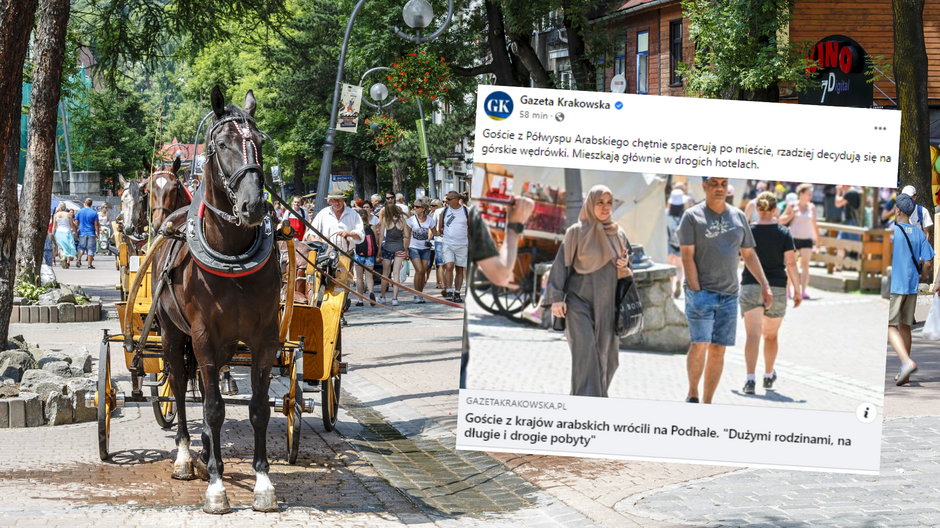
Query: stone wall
[
  {"x": 665, "y": 328},
  {"x": 39, "y": 388}
]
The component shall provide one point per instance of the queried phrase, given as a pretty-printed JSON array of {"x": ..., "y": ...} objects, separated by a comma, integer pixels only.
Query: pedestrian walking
[
  {"x": 911, "y": 249},
  {"x": 453, "y": 227},
  {"x": 88, "y": 227},
  {"x": 582, "y": 287},
  {"x": 800, "y": 217},
  {"x": 674, "y": 256},
  {"x": 776, "y": 251},
  {"x": 391, "y": 234},
  {"x": 364, "y": 256},
  {"x": 712, "y": 235},
  {"x": 437, "y": 250},
  {"x": 63, "y": 235},
  {"x": 417, "y": 234}
]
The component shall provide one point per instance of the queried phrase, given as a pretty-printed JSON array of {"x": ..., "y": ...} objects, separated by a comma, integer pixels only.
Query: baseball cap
[
  {"x": 792, "y": 198},
  {"x": 909, "y": 190},
  {"x": 905, "y": 203}
]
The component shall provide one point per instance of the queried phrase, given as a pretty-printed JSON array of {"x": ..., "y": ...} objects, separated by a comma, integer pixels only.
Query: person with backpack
[
  {"x": 365, "y": 257},
  {"x": 911, "y": 250},
  {"x": 453, "y": 227},
  {"x": 418, "y": 229}
]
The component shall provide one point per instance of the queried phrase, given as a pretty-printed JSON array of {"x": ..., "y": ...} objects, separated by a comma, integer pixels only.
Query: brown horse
[
  {"x": 168, "y": 194},
  {"x": 222, "y": 287}
]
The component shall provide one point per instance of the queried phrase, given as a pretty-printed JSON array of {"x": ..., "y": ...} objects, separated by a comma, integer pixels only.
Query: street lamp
[
  {"x": 323, "y": 185},
  {"x": 378, "y": 91}
]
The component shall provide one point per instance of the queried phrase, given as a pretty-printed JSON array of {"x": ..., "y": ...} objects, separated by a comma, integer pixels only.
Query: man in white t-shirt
[{"x": 453, "y": 227}]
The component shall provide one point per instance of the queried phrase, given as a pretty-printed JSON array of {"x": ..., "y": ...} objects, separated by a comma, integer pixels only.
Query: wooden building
[{"x": 651, "y": 37}]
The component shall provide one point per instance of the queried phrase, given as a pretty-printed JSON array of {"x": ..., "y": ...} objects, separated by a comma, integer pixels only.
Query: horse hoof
[
  {"x": 216, "y": 504},
  {"x": 199, "y": 469},
  {"x": 184, "y": 472},
  {"x": 265, "y": 501}
]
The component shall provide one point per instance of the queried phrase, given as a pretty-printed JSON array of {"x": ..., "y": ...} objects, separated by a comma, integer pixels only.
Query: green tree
[
  {"x": 738, "y": 54},
  {"x": 116, "y": 133}
]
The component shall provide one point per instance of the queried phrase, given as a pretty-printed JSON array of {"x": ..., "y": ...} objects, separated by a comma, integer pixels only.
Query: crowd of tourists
[{"x": 426, "y": 240}]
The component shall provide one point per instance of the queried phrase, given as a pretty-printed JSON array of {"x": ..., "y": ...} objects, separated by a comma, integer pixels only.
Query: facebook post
[{"x": 703, "y": 293}]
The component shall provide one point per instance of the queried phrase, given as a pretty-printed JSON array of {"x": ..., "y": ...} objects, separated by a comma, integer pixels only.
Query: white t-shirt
[
  {"x": 455, "y": 226},
  {"x": 921, "y": 212},
  {"x": 420, "y": 232}
]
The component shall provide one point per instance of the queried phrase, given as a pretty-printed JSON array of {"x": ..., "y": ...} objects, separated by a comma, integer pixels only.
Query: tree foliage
[
  {"x": 738, "y": 54},
  {"x": 116, "y": 132}
]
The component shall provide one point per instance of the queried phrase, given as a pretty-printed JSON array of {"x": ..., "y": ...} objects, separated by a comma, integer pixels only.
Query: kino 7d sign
[{"x": 840, "y": 70}]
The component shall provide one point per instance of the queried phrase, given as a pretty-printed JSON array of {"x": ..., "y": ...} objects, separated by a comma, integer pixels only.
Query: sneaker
[
  {"x": 358, "y": 303},
  {"x": 416, "y": 299},
  {"x": 394, "y": 302},
  {"x": 91, "y": 267},
  {"x": 372, "y": 296},
  {"x": 456, "y": 298},
  {"x": 805, "y": 296},
  {"x": 382, "y": 299},
  {"x": 78, "y": 264},
  {"x": 692, "y": 399},
  {"x": 748, "y": 387},
  {"x": 769, "y": 380},
  {"x": 905, "y": 374},
  {"x": 420, "y": 300}
]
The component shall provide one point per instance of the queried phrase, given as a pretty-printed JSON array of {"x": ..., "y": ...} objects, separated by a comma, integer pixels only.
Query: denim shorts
[
  {"x": 423, "y": 254},
  {"x": 88, "y": 244},
  {"x": 712, "y": 316},
  {"x": 438, "y": 252},
  {"x": 368, "y": 262}
]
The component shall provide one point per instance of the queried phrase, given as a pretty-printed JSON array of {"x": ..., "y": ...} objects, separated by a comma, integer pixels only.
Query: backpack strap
[{"x": 917, "y": 264}]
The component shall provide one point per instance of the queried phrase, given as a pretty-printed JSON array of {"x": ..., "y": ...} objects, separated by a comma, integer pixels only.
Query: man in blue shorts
[
  {"x": 87, "y": 233},
  {"x": 711, "y": 236}
]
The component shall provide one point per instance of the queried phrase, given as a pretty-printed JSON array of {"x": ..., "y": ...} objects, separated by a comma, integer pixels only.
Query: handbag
[{"x": 629, "y": 308}]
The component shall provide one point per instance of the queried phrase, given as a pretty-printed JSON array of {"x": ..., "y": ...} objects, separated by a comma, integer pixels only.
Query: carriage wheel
[
  {"x": 105, "y": 400},
  {"x": 329, "y": 389},
  {"x": 293, "y": 405},
  {"x": 497, "y": 300},
  {"x": 163, "y": 411}
]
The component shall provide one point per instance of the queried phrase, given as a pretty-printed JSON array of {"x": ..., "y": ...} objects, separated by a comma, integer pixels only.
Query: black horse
[{"x": 222, "y": 287}]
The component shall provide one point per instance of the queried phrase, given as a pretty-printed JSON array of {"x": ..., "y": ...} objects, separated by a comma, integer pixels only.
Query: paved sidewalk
[{"x": 820, "y": 364}]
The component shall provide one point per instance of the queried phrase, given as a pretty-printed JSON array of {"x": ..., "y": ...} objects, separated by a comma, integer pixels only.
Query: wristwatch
[{"x": 515, "y": 226}]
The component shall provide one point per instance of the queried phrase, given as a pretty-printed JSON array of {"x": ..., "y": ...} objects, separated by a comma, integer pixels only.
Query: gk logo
[{"x": 498, "y": 105}]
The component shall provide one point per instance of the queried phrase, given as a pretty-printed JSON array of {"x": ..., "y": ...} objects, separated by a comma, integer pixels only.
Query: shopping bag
[{"x": 932, "y": 324}]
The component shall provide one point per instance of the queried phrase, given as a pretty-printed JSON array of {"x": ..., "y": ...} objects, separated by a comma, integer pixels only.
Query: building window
[
  {"x": 642, "y": 62},
  {"x": 620, "y": 54},
  {"x": 600, "y": 75},
  {"x": 675, "y": 51}
]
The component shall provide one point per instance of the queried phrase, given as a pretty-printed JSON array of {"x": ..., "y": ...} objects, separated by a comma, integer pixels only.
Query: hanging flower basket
[
  {"x": 385, "y": 130},
  {"x": 421, "y": 75}
]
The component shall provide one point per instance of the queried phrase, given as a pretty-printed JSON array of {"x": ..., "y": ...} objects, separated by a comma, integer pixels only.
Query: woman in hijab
[{"x": 581, "y": 288}]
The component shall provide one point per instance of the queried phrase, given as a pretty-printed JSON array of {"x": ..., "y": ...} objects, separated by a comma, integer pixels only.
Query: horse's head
[
  {"x": 133, "y": 205},
  {"x": 234, "y": 158},
  {"x": 168, "y": 193}
]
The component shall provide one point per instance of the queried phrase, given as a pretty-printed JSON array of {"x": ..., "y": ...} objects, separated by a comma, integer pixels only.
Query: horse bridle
[
  {"x": 140, "y": 222},
  {"x": 249, "y": 152}
]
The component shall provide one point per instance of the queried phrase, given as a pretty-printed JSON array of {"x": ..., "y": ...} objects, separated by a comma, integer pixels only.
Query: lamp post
[{"x": 420, "y": 13}]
